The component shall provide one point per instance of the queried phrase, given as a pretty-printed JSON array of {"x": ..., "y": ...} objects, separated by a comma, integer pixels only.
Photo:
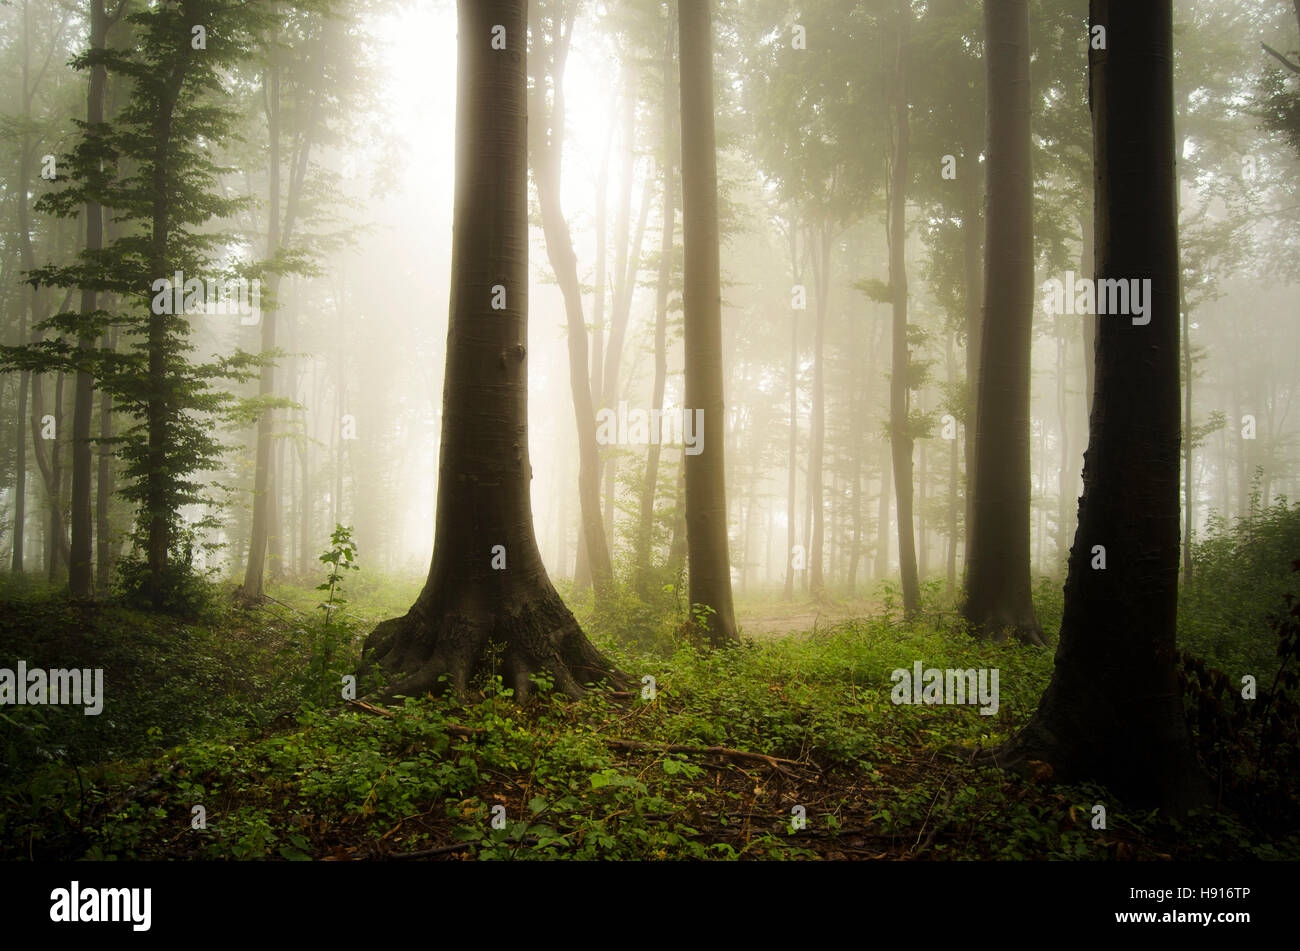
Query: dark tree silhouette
[
  {"x": 1113, "y": 712},
  {"x": 487, "y": 587}
]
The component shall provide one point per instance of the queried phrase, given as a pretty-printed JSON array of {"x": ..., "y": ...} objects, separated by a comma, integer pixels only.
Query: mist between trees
[{"x": 577, "y": 324}]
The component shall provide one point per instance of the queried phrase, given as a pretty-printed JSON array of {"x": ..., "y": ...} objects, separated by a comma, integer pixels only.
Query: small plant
[{"x": 324, "y": 666}]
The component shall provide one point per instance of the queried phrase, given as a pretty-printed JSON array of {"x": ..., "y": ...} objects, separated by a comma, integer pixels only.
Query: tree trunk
[
  {"x": 265, "y": 494},
  {"x": 793, "y": 473},
  {"x": 104, "y": 556},
  {"x": 900, "y": 436},
  {"x": 547, "y": 138},
  {"x": 999, "y": 590},
  {"x": 822, "y": 274},
  {"x": 487, "y": 586},
  {"x": 80, "y": 578},
  {"x": 973, "y": 269},
  {"x": 645, "y": 531},
  {"x": 1113, "y": 712},
  {"x": 706, "y": 503},
  {"x": 1189, "y": 504}
]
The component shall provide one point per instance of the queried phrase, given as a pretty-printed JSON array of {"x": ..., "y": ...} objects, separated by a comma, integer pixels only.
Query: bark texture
[
  {"x": 488, "y": 604},
  {"x": 999, "y": 590},
  {"x": 1113, "y": 711},
  {"x": 709, "y": 564}
]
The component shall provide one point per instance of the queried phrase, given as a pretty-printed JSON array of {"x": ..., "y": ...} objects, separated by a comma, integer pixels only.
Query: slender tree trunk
[
  {"x": 900, "y": 436},
  {"x": 793, "y": 472},
  {"x": 104, "y": 487},
  {"x": 487, "y": 585},
  {"x": 1189, "y": 505},
  {"x": 706, "y": 503},
  {"x": 999, "y": 590},
  {"x": 80, "y": 577},
  {"x": 645, "y": 532},
  {"x": 265, "y": 491},
  {"x": 547, "y": 138},
  {"x": 1089, "y": 321},
  {"x": 973, "y": 270},
  {"x": 953, "y": 477},
  {"x": 1113, "y": 712},
  {"x": 816, "y": 457}
]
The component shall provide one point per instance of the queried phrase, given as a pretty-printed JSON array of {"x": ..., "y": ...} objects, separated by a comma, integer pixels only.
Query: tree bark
[
  {"x": 706, "y": 505},
  {"x": 900, "y": 436},
  {"x": 546, "y": 139},
  {"x": 645, "y": 531},
  {"x": 80, "y": 576},
  {"x": 487, "y": 586},
  {"x": 999, "y": 590},
  {"x": 1113, "y": 712}
]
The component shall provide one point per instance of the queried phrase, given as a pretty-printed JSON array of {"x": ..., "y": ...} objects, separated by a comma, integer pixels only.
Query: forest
[{"x": 650, "y": 430}]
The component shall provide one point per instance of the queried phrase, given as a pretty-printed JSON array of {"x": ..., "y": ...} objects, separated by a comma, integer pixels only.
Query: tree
[
  {"x": 708, "y": 563},
  {"x": 900, "y": 430},
  {"x": 1112, "y": 711},
  {"x": 668, "y": 168},
  {"x": 487, "y": 588},
  {"x": 999, "y": 590},
  {"x": 151, "y": 171},
  {"x": 546, "y": 144}
]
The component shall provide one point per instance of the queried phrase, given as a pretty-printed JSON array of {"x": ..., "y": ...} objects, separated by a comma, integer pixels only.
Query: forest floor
[
  {"x": 775, "y": 619},
  {"x": 218, "y": 741}
]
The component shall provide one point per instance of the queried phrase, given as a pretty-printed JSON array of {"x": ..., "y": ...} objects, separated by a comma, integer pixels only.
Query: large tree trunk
[
  {"x": 999, "y": 590},
  {"x": 1112, "y": 712},
  {"x": 487, "y": 585},
  {"x": 706, "y": 503},
  {"x": 900, "y": 435},
  {"x": 645, "y": 531}
]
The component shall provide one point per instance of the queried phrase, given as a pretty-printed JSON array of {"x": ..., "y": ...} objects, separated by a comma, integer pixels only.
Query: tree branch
[{"x": 1295, "y": 68}]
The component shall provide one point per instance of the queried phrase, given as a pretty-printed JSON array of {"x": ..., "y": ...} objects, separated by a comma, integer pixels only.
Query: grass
[{"x": 215, "y": 714}]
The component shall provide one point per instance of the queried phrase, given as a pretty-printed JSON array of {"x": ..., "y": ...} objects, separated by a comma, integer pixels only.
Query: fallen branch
[
  {"x": 773, "y": 762},
  {"x": 429, "y": 853}
]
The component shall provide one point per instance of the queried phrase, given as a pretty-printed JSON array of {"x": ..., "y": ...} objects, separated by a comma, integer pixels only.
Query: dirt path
[{"x": 771, "y": 621}]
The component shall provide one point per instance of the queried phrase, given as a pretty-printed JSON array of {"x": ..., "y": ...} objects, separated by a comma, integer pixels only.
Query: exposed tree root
[{"x": 541, "y": 636}]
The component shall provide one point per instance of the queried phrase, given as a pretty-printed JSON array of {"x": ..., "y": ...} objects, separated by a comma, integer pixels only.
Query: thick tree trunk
[
  {"x": 1113, "y": 712},
  {"x": 487, "y": 585},
  {"x": 706, "y": 503},
  {"x": 999, "y": 590},
  {"x": 900, "y": 436}
]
